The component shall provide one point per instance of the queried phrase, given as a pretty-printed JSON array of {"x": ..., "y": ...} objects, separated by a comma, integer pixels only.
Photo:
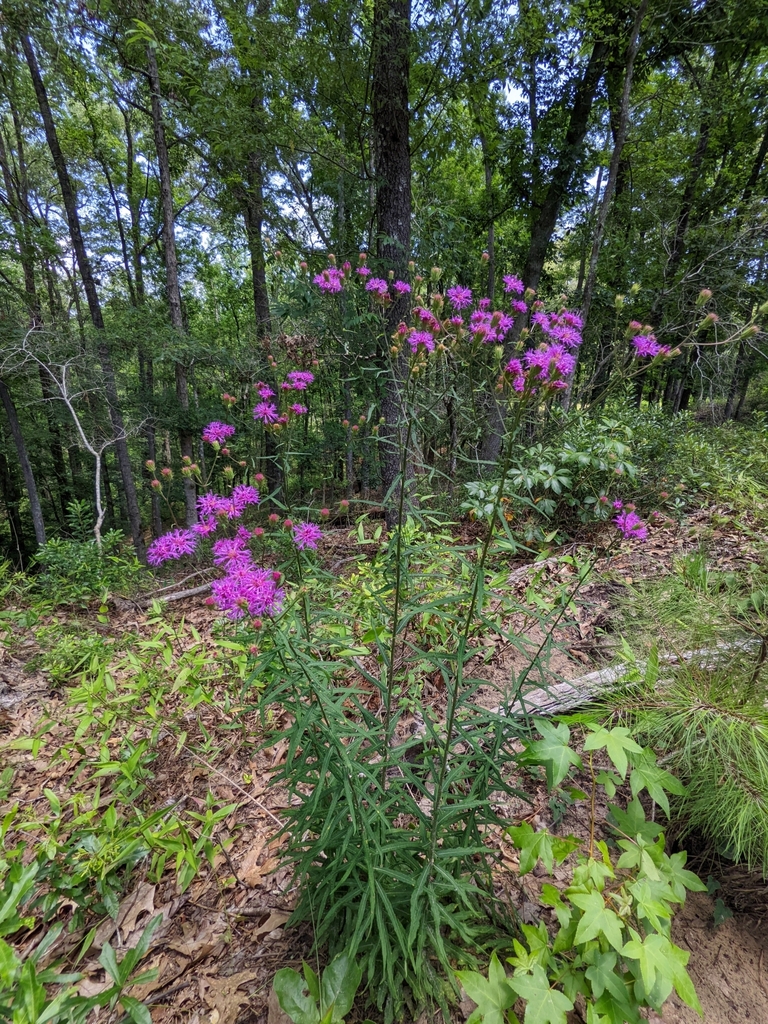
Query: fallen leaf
[
  {"x": 275, "y": 920},
  {"x": 224, "y": 999},
  {"x": 198, "y": 944},
  {"x": 249, "y": 871}
]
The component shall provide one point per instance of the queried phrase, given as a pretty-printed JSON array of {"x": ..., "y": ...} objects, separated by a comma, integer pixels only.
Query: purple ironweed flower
[
  {"x": 248, "y": 590},
  {"x": 208, "y": 505},
  {"x": 231, "y": 553},
  {"x": 264, "y": 390},
  {"x": 244, "y": 494},
  {"x": 266, "y": 412},
  {"x": 330, "y": 280},
  {"x": 646, "y": 346},
  {"x": 171, "y": 545},
  {"x": 205, "y": 527},
  {"x": 519, "y": 306},
  {"x": 631, "y": 526},
  {"x": 460, "y": 298},
  {"x": 300, "y": 380},
  {"x": 513, "y": 285},
  {"x": 541, "y": 319},
  {"x": 364, "y": 271},
  {"x": 428, "y": 319},
  {"x": 377, "y": 285},
  {"x": 298, "y": 409},
  {"x": 484, "y": 304},
  {"x": 217, "y": 433},
  {"x": 402, "y": 287},
  {"x": 416, "y": 338},
  {"x": 572, "y": 319},
  {"x": 457, "y": 321},
  {"x": 306, "y": 535}
]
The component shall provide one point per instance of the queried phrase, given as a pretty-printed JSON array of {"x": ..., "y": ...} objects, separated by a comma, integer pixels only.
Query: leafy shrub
[{"x": 74, "y": 572}]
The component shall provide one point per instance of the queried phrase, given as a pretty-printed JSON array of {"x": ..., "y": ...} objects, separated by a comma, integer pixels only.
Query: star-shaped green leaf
[
  {"x": 552, "y": 751},
  {"x": 493, "y": 995},
  {"x": 544, "y": 1005},
  {"x": 616, "y": 742},
  {"x": 598, "y": 919}
]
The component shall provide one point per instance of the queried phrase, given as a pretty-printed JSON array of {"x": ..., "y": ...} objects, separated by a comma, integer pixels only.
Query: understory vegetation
[{"x": 383, "y": 507}]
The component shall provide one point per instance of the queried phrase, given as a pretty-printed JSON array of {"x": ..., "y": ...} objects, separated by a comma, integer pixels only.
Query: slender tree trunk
[
  {"x": 392, "y": 157},
  {"x": 26, "y": 465},
  {"x": 546, "y": 220},
  {"x": 620, "y": 137},
  {"x": 11, "y": 497},
  {"x": 89, "y": 286},
  {"x": 186, "y": 442}
]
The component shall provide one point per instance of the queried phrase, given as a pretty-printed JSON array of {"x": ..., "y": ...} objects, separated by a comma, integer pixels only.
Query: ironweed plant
[{"x": 391, "y": 801}]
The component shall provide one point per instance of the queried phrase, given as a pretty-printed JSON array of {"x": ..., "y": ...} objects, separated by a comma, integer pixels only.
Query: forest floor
[{"x": 221, "y": 941}]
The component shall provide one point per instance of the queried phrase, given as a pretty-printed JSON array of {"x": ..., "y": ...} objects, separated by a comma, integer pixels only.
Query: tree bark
[
  {"x": 546, "y": 220},
  {"x": 392, "y": 165},
  {"x": 619, "y": 139},
  {"x": 26, "y": 465},
  {"x": 173, "y": 290},
  {"x": 89, "y": 286}
]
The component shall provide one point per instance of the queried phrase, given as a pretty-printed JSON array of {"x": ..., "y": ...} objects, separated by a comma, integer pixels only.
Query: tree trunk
[
  {"x": 26, "y": 465},
  {"x": 546, "y": 220},
  {"x": 613, "y": 171},
  {"x": 89, "y": 285},
  {"x": 172, "y": 282},
  {"x": 392, "y": 159}
]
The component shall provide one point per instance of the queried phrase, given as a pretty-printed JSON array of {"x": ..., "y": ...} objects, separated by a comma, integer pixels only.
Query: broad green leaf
[
  {"x": 550, "y": 897},
  {"x": 493, "y": 995},
  {"x": 679, "y": 877},
  {"x": 598, "y": 919},
  {"x": 632, "y": 821},
  {"x": 661, "y": 959},
  {"x": 552, "y": 751},
  {"x": 339, "y": 984},
  {"x": 616, "y": 742},
  {"x": 657, "y": 781},
  {"x": 291, "y": 991},
  {"x": 533, "y": 846},
  {"x": 544, "y": 1005}
]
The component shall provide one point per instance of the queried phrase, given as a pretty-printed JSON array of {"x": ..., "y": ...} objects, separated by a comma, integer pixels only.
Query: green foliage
[
  {"x": 75, "y": 572},
  {"x": 611, "y": 945},
  {"x": 319, "y": 1000}
]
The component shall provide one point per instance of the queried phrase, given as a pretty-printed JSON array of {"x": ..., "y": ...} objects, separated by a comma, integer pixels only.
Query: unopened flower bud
[
  {"x": 382, "y": 420},
  {"x": 209, "y": 601},
  {"x": 276, "y": 576},
  {"x": 362, "y": 257},
  {"x": 634, "y": 289},
  {"x": 228, "y": 472},
  {"x": 273, "y": 517},
  {"x": 278, "y": 254},
  {"x": 150, "y": 465},
  {"x": 355, "y": 428},
  {"x": 259, "y": 478},
  {"x": 411, "y": 266},
  {"x": 529, "y": 294},
  {"x": 419, "y": 279},
  {"x": 752, "y": 329},
  {"x": 242, "y": 464},
  {"x": 331, "y": 259},
  {"x": 436, "y": 273},
  {"x": 167, "y": 472},
  {"x": 619, "y": 301},
  {"x": 664, "y": 494},
  {"x": 304, "y": 265},
  {"x": 498, "y": 351},
  {"x": 258, "y": 531},
  {"x": 375, "y": 428},
  {"x": 315, "y": 362},
  {"x": 345, "y": 423},
  {"x": 225, "y": 451},
  {"x": 156, "y": 484},
  {"x": 257, "y": 624},
  {"x": 324, "y": 512},
  {"x": 343, "y": 503},
  {"x": 253, "y": 649},
  {"x": 186, "y": 460},
  {"x": 287, "y": 524},
  {"x": 394, "y": 350},
  {"x": 390, "y": 275},
  {"x": 485, "y": 257},
  {"x": 704, "y": 296}
]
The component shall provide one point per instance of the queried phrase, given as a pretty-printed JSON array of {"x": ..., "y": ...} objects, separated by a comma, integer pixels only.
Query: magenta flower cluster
[
  {"x": 217, "y": 433},
  {"x": 646, "y": 346},
  {"x": 267, "y": 411},
  {"x": 629, "y": 523}
]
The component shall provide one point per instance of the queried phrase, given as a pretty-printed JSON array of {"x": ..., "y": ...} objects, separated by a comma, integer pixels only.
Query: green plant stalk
[{"x": 454, "y": 691}]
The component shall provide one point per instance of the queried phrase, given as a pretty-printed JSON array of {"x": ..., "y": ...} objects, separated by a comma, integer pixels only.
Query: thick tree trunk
[
  {"x": 26, "y": 465},
  {"x": 173, "y": 290},
  {"x": 392, "y": 159},
  {"x": 89, "y": 285}
]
